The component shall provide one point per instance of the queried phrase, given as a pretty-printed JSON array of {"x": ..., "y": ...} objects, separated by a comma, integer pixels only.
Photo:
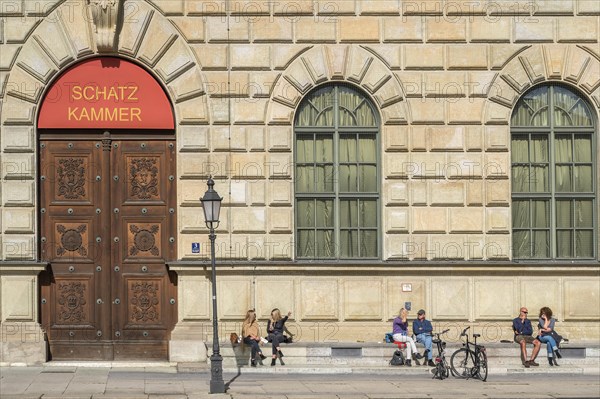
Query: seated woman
[
  {"x": 400, "y": 331},
  {"x": 275, "y": 328},
  {"x": 251, "y": 336},
  {"x": 546, "y": 325}
]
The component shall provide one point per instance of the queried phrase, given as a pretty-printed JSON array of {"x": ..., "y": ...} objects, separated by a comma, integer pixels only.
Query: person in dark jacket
[
  {"x": 275, "y": 328},
  {"x": 524, "y": 335},
  {"x": 422, "y": 329}
]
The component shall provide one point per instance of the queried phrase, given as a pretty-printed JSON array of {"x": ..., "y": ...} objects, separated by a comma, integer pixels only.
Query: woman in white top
[{"x": 400, "y": 331}]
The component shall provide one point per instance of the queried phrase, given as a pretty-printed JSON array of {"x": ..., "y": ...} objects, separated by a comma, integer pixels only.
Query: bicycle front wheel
[
  {"x": 461, "y": 364},
  {"x": 482, "y": 371},
  {"x": 446, "y": 369}
]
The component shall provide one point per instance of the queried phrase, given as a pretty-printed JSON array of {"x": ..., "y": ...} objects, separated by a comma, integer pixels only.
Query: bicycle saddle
[
  {"x": 435, "y": 341},
  {"x": 476, "y": 335}
]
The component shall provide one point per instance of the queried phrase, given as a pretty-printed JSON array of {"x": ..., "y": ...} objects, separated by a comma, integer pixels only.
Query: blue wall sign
[{"x": 195, "y": 247}]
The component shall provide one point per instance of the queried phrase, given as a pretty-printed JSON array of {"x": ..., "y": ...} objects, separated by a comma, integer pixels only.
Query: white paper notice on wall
[
  {"x": 406, "y": 287},
  {"x": 195, "y": 247}
]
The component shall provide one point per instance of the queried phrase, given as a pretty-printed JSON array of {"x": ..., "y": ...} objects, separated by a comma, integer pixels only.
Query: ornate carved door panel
[
  {"x": 144, "y": 226},
  {"x": 108, "y": 225},
  {"x": 74, "y": 292}
]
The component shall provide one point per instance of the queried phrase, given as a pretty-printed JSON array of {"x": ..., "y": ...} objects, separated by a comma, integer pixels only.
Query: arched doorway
[{"x": 107, "y": 213}]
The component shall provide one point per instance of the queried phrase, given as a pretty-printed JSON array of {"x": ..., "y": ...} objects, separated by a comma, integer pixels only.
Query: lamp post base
[{"x": 216, "y": 374}]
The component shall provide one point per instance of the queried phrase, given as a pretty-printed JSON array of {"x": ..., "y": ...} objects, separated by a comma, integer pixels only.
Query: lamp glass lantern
[{"x": 211, "y": 204}]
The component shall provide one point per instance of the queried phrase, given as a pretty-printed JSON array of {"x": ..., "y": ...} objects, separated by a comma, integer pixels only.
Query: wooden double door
[{"x": 108, "y": 227}]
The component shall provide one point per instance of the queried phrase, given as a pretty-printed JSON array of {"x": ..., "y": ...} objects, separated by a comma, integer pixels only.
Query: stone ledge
[
  {"x": 11, "y": 267},
  {"x": 415, "y": 267}
]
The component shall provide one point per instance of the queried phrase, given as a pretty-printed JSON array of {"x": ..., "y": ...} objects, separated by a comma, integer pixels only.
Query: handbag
[
  {"x": 557, "y": 337},
  {"x": 234, "y": 338},
  {"x": 397, "y": 358}
]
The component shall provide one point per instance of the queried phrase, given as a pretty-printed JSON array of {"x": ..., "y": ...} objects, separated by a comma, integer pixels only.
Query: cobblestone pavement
[{"x": 92, "y": 383}]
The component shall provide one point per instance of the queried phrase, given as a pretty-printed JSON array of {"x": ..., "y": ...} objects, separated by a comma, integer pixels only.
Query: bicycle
[
  {"x": 471, "y": 361},
  {"x": 441, "y": 369}
]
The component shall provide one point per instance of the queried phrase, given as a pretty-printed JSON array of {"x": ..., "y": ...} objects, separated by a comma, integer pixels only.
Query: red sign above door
[{"x": 104, "y": 93}]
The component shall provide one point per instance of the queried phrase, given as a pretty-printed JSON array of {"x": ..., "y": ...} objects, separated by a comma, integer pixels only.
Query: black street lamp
[{"x": 211, "y": 203}]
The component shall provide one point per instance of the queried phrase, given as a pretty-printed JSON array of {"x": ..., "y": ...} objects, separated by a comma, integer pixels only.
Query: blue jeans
[
  {"x": 425, "y": 339},
  {"x": 550, "y": 344}
]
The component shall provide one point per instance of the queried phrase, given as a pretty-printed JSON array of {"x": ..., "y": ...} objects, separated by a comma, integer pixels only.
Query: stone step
[
  {"x": 383, "y": 370},
  {"x": 386, "y": 351},
  {"x": 501, "y": 362},
  {"x": 356, "y": 355}
]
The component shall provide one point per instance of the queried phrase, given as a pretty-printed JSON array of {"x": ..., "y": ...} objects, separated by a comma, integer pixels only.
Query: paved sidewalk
[{"x": 166, "y": 382}]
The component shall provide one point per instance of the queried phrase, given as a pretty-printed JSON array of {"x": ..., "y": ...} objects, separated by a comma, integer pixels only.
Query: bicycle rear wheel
[
  {"x": 461, "y": 364},
  {"x": 482, "y": 372}
]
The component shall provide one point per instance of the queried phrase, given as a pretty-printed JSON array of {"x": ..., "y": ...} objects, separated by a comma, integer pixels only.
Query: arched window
[
  {"x": 337, "y": 175},
  {"x": 553, "y": 176}
]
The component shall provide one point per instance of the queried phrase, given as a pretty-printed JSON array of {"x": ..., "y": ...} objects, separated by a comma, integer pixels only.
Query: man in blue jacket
[
  {"x": 422, "y": 329},
  {"x": 524, "y": 335}
]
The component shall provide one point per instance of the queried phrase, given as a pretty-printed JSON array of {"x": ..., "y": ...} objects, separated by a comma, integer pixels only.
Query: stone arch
[
  {"x": 356, "y": 64},
  {"x": 147, "y": 37},
  {"x": 577, "y": 66}
]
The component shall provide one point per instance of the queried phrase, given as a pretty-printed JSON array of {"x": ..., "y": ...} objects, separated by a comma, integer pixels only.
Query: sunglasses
[{"x": 524, "y": 311}]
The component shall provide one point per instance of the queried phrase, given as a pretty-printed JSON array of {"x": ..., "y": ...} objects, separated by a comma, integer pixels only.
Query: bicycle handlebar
[
  {"x": 445, "y": 331},
  {"x": 462, "y": 334}
]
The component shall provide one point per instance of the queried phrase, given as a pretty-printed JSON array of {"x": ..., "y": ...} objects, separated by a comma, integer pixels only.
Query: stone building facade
[{"x": 442, "y": 77}]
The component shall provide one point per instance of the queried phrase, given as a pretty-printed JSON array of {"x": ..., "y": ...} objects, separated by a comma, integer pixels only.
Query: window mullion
[
  {"x": 336, "y": 173},
  {"x": 552, "y": 177},
  {"x": 315, "y": 229}
]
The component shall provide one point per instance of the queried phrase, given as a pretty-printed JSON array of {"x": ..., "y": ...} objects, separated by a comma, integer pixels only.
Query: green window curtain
[
  {"x": 336, "y": 155},
  {"x": 584, "y": 168},
  {"x": 367, "y": 157},
  {"x": 348, "y": 178},
  {"x": 324, "y": 177},
  {"x": 564, "y": 225},
  {"x": 315, "y": 222},
  {"x": 584, "y": 228},
  {"x": 540, "y": 222},
  {"x": 519, "y": 150},
  {"x": 358, "y": 228},
  {"x": 354, "y": 109},
  {"x": 569, "y": 109},
  {"x": 539, "y": 164},
  {"x": 532, "y": 109},
  {"x": 318, "y": 110},
  {"x": 358, "y": 163},
  {"x": 563, "y": 158},
  {"x": 305, "y": 158}
]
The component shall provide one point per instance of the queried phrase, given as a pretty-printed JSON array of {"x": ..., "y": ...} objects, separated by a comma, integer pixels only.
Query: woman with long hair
[
  {"x": 400, "y": 331},
  {"x": 275, "y": 328},
  {"x": 251, "y": 336},
  {"x": 546, "y": 325}
]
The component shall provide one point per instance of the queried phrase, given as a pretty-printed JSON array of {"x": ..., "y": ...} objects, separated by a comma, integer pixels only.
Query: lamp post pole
[
  {"x": 211, "y": 204},
  {"x": 216, "y": 360}
]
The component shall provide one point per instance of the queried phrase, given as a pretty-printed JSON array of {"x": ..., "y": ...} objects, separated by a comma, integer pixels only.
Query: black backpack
[{"x": 397, "y": 358}]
